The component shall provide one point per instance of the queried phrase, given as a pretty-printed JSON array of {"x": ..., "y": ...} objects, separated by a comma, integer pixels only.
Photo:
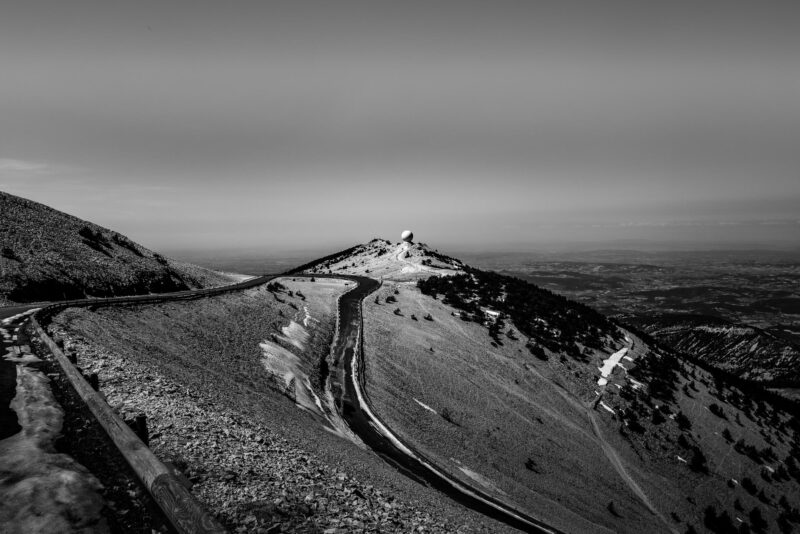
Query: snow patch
[
  {"x": 42, "y": 490},
  {"x": 286, "y": 366},
  {"x": 727, "y": 330},
  {"x": 482, "y": 480},
  {"x": 282, "y": 363},
  {"x": 20, "y": 355},
  {"x": 295, "y": 334},
  {"x": 426, "y": 406},
  {"x": 607, "y": 407},
  {"x": 307, "y": 318},
  {"x": 237, "y": 277},
  {"x": 635, "y": 384},
  {"x": 609, "y": 364},
  {"x": 9, "y": 320}
]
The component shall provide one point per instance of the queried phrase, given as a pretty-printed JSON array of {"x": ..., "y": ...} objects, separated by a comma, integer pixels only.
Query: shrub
[
  {"x": 658, "y": 417},
  {"x": 716, "y": 410},
  {"x": 447, "y": 415},
  {"x": 9, "y": 254},
  {"x": 537, "y": 351},
  {"x": 710, "y": 517},
  {"x": 698, "y": 461},
  {"x": 613, "y": 509},
  {"x": 274, "y": 287},
  {"x": 533, "y": 310},
  {"x": 757, "y": 520},
  {"x": 683, "y": 421},
  {"x": 784, "y": 524},
  {"x": 530, "y": 465}
]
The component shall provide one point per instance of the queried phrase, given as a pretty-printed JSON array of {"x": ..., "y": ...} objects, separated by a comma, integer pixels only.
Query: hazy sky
[{"x": 323, "y": 124}]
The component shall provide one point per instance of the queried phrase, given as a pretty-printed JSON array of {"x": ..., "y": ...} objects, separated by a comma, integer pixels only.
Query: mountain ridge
[
  {"x": 46, "y": 254},
  {"x": 741, "y": 349}
]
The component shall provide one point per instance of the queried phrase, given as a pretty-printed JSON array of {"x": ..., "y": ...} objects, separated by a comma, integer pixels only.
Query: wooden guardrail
[{"x": 182, "y": 509}]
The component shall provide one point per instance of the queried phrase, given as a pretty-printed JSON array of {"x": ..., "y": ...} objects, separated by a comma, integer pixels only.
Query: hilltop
[
  {"x": 382, "y": 259},
  {"x": 46, "y": 254}
]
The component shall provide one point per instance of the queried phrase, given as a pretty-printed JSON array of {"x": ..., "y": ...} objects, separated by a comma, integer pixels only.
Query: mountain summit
[
  {"x": 46, "y": 254},
  {"x": 382, "y": 259}
]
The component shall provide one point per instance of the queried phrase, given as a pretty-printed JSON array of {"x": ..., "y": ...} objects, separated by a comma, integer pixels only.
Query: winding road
[{"x": 347, "y": 386}]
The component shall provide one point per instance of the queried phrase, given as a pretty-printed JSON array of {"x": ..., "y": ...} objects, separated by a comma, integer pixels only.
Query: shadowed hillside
[{"x": 49, "y": 255}]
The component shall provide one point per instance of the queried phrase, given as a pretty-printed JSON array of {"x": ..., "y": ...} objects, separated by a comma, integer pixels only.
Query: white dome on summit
[{"x": 407, "y": 236}]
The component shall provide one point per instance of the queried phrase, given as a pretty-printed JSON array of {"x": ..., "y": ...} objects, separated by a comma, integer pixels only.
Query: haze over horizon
[{"x": 304, "y": 125}]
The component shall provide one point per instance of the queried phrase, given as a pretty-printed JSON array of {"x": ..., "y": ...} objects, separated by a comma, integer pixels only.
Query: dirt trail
[{"x": 608, "y": 450}]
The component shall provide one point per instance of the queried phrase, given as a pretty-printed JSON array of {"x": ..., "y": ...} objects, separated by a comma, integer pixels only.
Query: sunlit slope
[
  {"x": 46, "y": 254},
  {"x": 546, "y": 404},
  {"x": 381, "y": 259}
]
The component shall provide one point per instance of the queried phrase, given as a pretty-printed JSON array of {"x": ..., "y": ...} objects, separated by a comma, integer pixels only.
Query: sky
[{"x": 484, "y": 125}]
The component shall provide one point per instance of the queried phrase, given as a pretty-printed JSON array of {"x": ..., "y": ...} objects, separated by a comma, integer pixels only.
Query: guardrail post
[{"x": 141, "y": 428}]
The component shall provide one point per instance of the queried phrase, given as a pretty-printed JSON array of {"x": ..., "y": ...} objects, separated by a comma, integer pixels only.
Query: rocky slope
[
  {"x": 742, "y": 350},
  {"x": 46, "y": 254}
]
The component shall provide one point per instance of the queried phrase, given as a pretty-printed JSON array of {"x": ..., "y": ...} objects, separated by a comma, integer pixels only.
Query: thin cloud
[{"x": 19, "y": 166}]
